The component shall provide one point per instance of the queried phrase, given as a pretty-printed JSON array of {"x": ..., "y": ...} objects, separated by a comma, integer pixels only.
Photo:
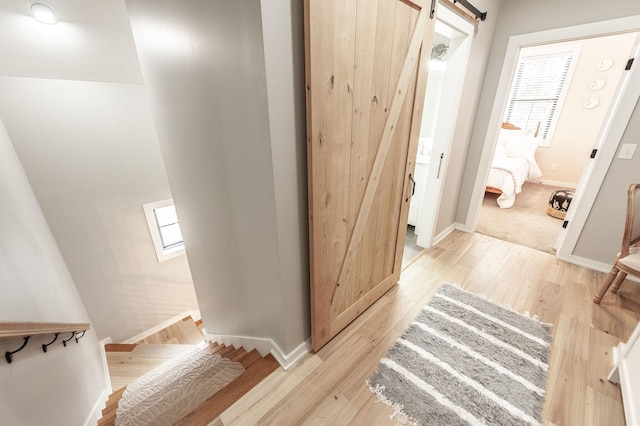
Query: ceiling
[{"x": 92, "y": 42}]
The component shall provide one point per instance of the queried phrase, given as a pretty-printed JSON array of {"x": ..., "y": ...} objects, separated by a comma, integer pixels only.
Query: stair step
[
  {"x": 109, "y": 412},
  {"x": 183, "y": 331},
  {"x": 226, "y": 351},
  {"x": 256, "y": 369},
  {"x": 218, "y": 403},
  {"x": 250, "y": 358},
  {"x": 119, "y": 347},
  {"x": 237, "y": 354}
]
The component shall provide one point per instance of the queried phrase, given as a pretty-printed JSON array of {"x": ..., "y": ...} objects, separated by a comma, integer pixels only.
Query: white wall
[
  {"x": 283, "y": 35},
  {"x": 471, "y": 89},
  {"x": 521, "y": 17},
  {"x": 62, "y": 386},
  {"x": 91, "y": 154},
  {"x": 204, "y": 68},
  {"x": 577, "y": 129}
]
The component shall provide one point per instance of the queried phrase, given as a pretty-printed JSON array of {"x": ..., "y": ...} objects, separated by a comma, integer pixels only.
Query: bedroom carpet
[
  {"x": 526, "y": 223},
  {"x": 465, "y": 360}
]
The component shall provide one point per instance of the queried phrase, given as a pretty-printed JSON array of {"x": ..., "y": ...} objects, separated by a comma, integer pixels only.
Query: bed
[{"x": 513, "y": 163}]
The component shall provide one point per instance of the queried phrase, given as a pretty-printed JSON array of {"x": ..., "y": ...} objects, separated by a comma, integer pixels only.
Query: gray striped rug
[{"x": 465, "y": 360}]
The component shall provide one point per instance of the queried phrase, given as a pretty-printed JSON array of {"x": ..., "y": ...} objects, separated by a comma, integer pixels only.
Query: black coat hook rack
[
  {"x": 44, "y": 345},
  {"x": 26, "y": 330},
  {"x": 64, "y": 342},
  {"x": 9, "y": 355}
]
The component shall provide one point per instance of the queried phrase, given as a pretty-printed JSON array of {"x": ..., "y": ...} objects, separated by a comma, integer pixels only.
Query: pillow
[
  {"x": 521, "y": 146},
  {"x": 501, "y": 150},
  {"x": 505, "y": 133},
  {"x": 524, "y": 147}
]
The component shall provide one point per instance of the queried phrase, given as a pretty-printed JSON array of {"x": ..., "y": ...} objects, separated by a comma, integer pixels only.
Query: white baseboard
[
  {"x": 263, "y": 346},
  {"x": 193, "y": 313},
  {"x": 105, "y": 364},
  {"x": 555, "y": 183},
  {"x": 587, "y": 263},
  {"x": 593, "y": 264},
  {"x": 96, "y": 412},
  {"x": 441, "y": 236}
]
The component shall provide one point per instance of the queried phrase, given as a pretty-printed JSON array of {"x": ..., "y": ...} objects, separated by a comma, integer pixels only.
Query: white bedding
[
  {"x": 513, "y": 163},
  {"x": 508, "y": 175}
]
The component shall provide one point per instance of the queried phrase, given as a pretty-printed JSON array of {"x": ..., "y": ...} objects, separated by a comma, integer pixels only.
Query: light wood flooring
[{"x": 329, "y": 387}]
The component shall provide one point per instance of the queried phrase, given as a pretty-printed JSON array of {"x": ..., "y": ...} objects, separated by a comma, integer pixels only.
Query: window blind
[{"x": 536, "y": 91}]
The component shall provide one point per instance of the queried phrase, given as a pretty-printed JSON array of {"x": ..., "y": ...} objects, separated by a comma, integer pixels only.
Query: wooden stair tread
[
  {"x": 237, "y": 354},
  {"x": 226, "y": 351},
  {"x": 109, "y": 412},
  {"x": 256, "y": 369},
  {"x": 250, "y": 358},
  {"x": 119, "y": 347},
  {"x": 210, "y": 409}
]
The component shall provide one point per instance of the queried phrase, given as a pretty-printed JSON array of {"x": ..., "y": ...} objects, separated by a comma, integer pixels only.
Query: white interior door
[
  {"x": 444, "y": 90},
  {"x": 611, "y": 132}
]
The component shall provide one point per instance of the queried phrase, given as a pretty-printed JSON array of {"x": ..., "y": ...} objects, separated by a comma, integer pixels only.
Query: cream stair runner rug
[
  {"x": 159, "y": 350},
  {"x": 174, "y": 389}
]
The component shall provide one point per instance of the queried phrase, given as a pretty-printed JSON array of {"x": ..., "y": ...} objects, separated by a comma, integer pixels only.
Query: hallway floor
[{"x": 329, "y": 387}]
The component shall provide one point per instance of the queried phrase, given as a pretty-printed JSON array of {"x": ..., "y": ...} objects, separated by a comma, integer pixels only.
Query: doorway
[
  {"x": 607, "y": 138},
  {"x": 565, "y": 132},
  {"x": 447, "y": 68}
]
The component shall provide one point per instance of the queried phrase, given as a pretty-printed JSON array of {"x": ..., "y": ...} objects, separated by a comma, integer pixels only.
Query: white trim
[
  {"x": 609, "y": 138},
  {"x": 620, "y": 112},
  {"x": 263, "y": 346},
  {"x": 448, "y": 106},
  {"x": 573, "y": 50},
  {"x": 616, "y": 356},
  {"x": 441, "y": 236},
  {"x": 587, "y": 263},
  {"x": 193, "y": 313},
  {"x": 555, "y": 183},
  {"x": 96, "y": 411},
  {"x": 628, "y": 383},
  {"x": 594, "y": 264},
  {"x": 105, "y": 364}
]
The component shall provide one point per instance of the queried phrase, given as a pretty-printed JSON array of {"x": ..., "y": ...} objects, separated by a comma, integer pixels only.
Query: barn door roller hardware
[{"x": 471, "y": 8}]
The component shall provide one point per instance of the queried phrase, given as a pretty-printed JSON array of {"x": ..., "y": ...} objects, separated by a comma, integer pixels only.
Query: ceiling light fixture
[{"x": 44, "y": 13}]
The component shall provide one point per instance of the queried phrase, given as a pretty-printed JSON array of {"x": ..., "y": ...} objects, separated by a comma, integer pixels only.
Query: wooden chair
[{"x": 628, "y": 260}]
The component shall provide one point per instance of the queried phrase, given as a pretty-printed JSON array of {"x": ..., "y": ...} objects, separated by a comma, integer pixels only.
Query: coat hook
[
  {"x": 44, "y": 345},
  {"x": 9, "y": 355},
  {"x": 64, "y": 342},
  {"x": 80, "y": 336}
]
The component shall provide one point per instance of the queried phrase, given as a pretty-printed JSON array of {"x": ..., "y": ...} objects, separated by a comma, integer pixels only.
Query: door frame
[
  {"x": 608, "y": 138},
  {"x": 428, "y": 209}
]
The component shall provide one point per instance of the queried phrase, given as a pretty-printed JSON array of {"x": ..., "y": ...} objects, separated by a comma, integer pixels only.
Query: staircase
[{"x": 122, "y": 358}]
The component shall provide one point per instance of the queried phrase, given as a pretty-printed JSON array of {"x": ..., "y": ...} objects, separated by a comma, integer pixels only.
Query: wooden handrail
[{"x": 20, "y": 330}]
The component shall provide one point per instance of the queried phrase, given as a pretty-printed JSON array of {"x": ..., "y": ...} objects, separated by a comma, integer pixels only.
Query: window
[
  {"x": 164, "y": 228},
  {"x": 542, "y": 78}
]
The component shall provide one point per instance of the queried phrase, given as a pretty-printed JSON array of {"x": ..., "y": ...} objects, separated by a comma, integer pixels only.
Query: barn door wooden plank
[
  {"x": 365, "y": 64},
  {"x": 408, "y": 67}
]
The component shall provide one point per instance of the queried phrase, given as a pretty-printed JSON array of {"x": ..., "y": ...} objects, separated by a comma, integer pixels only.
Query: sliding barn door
[{"x": 366, "y": 77}]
